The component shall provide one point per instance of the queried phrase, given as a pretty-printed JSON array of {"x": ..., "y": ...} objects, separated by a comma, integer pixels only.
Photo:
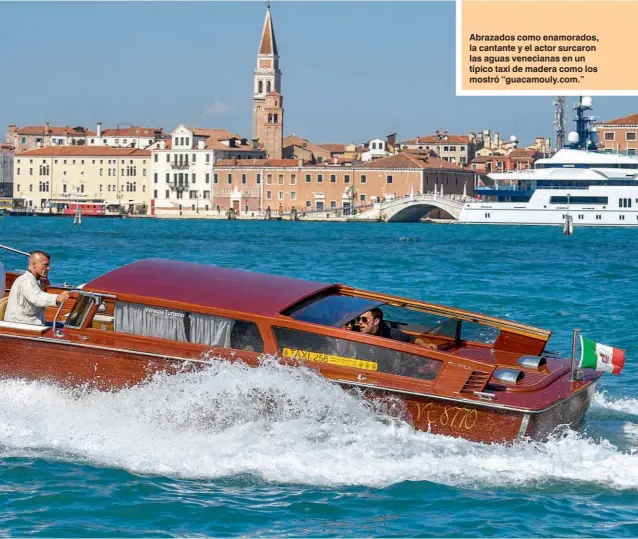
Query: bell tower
[
  {"x": 274, "y": 125},
  {"x": 267, "y": 79}
]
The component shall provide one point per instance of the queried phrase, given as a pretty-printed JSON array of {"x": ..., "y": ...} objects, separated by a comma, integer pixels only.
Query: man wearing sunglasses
[{"x": 371, "y": 322}]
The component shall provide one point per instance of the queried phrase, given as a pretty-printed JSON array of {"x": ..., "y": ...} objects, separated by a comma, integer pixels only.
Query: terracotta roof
[
  {"x": 523, "y": 152},
  {"x": 6, "y": 146},
  {"x": 432, "y": 161},
  {"x": 54, "y": 130},
  {"x": 218, "y": 134},
  {"x": 86, "y": 151},
  {"x": 334, "y": 147},
  {"x": 483, "y": 158},
  {"x": 434, "y": 139},
  {"x": 213, "y": 143},
  {"x": 133, "y": 131},
  {"x": 632, "y": 119},
  {"x": 400, "y": 160},
  {"x": 281, "y": 163},
  {"x": 268, "y": 44},
  {"x": 294, "y": 140}
]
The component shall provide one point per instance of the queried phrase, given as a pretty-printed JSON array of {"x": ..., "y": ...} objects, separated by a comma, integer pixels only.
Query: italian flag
[{"x": 601, "y": 357}]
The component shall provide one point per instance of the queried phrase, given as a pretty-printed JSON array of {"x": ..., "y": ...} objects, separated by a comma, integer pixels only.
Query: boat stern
[{"x": 568, "y": 412}]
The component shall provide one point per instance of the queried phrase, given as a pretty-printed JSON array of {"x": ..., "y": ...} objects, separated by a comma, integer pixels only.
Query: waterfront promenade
[{"x": 408, "y": 208}]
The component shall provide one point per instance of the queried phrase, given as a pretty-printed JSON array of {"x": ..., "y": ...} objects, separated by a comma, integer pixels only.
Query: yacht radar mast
[{"x": 584, "y": 138}]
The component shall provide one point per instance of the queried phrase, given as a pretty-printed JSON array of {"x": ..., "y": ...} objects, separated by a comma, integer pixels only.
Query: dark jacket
[{"x": 392, "y": 333}]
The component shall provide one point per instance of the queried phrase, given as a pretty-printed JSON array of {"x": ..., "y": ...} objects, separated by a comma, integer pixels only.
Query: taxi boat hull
[
  {"x": 464, "y": 398},
  {"x": 93, "y": 365}
]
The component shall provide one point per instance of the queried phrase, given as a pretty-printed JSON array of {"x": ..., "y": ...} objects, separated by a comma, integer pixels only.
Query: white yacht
[{"x": 593, "y": 188}]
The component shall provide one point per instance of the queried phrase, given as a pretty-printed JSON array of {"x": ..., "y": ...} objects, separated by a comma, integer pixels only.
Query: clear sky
[{"x": 352, "y": 71}]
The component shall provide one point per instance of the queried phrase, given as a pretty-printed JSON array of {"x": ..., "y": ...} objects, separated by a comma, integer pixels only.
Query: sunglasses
[{"x": 363, "y": 319}]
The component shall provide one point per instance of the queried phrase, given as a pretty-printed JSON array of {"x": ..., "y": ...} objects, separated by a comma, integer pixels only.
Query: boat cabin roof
[{"x": 205, "y": 285}]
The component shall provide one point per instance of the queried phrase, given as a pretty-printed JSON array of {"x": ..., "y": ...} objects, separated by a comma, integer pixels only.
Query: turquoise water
[{"x": 170, "y": 459}]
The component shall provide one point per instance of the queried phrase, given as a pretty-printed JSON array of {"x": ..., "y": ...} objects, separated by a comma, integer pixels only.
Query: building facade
[
  {"x": 518, "y": 159},
  {"x": 71, "y": 173},
  {"x": 143, "y": 138},
  {"x": 377, "y": 148},
  {"x": 619, "y": 135},
  {"x": 32, "y": 137},
  {"x": 182, "y": 168},
  {"x": 6, "y": 170},
  {"x": 458, "y": 149},
  {"x": 284, "y": 185}
]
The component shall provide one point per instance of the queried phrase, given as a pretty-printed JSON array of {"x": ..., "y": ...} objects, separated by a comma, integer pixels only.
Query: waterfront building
[
  {"x": 268, "y": 110},
  {"x": 31, "y": 137},
  {"x": 619, "y": 135},
  {"x": 119, "y": 176},
  {"x": 126, "y": 137},
  {"x": 6, "y": 170},
  {"x": 458, "y": 149},
  {"x": 182, "y": 168},
  {"x": 290, "y": 184}
]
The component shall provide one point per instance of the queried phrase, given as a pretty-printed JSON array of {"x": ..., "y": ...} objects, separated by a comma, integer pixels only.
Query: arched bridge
[{"x": 412, "y": 208}]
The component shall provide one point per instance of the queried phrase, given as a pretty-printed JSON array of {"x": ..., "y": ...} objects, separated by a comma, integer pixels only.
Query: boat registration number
[
  {"x": 447, "y": 416},
  {"x": 318, "y": 357}
]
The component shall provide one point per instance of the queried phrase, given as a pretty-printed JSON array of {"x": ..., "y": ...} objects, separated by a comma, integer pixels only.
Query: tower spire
[
  {"x": 268, "y": 113},
  {"x": 268, "y": 45}
]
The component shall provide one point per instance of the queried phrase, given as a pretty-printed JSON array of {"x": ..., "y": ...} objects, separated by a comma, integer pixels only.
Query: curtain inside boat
[
  {"x": 171, "y": 324},
  {"x": 211, "y": 330},
  {"x": 150, "y": 321}
]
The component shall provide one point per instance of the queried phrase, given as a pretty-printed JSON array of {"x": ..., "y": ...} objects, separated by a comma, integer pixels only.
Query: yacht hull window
[{"x": 578, "y": 200}]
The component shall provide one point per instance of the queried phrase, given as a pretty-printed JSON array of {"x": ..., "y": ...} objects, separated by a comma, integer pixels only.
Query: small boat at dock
[{"x": 468, "y": 375}]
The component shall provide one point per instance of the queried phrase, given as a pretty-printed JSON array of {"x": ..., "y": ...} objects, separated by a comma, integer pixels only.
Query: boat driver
[
  {"x": 371, "y": 322},
  {"x": 27, "y": 301}
]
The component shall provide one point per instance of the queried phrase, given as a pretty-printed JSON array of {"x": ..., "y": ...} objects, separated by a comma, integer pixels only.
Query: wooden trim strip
[{"x": 95, "y": 347}]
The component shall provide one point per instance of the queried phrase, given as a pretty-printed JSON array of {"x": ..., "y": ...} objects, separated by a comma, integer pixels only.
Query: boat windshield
[{"x": 334, "y": 311}]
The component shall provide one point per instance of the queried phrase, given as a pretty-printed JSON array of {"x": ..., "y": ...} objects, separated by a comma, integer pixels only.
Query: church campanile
[{"x": 268, "y": 110}]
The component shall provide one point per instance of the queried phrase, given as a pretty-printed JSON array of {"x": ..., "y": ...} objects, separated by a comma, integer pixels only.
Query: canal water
[{"x": 172, "y": 458}]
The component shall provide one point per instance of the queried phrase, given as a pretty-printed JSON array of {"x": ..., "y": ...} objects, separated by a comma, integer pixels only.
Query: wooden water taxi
[{"x": 487, "y": 379}]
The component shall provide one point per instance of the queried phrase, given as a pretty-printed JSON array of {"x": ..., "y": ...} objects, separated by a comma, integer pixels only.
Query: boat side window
[
  {"x": 312, "y": 347},
  {"x": 185, "y": 326}
]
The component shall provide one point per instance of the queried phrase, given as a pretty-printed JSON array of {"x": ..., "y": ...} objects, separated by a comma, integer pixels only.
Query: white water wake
[{"x": 283, "y": 425}]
